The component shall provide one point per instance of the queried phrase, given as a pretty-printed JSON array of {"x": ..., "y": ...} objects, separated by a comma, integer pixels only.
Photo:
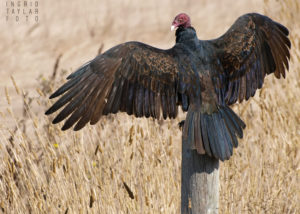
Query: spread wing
[
  {"x": 132, "y": 77},
  {"x": 254, "y": 46}
]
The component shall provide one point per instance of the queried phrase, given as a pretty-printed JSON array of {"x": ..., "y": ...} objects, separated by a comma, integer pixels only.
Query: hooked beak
[{"x": 174, "y": 25}]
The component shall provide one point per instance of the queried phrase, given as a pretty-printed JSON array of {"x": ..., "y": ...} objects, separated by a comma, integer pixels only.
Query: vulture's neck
[{"x": 186, "y": 35}]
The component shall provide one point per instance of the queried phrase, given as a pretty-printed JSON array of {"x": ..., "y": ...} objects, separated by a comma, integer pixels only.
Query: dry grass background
[{"x": 44, "y": 170}]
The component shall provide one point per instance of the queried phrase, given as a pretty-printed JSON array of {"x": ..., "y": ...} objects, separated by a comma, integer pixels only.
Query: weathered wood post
[{"x": 199, "y": 182}]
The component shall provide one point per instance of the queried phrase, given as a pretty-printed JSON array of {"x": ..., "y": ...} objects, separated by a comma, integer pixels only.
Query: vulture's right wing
[{"x": 132, "y": 77}]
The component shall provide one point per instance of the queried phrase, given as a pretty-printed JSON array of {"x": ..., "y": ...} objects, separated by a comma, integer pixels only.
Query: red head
[{"x": 181, "y": 19}]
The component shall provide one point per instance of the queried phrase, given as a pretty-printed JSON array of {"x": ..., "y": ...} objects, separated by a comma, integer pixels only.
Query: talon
[{"x": 181, "y": 124}]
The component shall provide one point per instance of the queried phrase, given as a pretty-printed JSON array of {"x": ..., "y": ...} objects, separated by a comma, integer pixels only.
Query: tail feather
[
  {"x": 222, "y": 141},
  {"x": 227, "y": 136},
  {"x": 204, "y": 134},
  {"x": 197, "y": 135},
  {"x": 214, "y": 134},
  {"x": 233, "y": 131},
  {"x": 213, "y": 138}
]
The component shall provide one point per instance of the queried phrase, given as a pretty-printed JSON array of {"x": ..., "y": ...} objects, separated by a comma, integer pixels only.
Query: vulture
[{"x": 204, "y": 77}]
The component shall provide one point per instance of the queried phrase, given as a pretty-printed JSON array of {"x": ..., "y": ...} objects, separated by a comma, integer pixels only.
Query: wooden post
[{"x": 199, "y": 182}]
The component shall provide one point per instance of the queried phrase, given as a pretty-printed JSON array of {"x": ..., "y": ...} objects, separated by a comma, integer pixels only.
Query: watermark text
[{"x": 20, "y": 11}]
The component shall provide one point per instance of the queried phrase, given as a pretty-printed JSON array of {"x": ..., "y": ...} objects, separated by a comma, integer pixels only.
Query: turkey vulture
[{"x": 204, "y": 77}]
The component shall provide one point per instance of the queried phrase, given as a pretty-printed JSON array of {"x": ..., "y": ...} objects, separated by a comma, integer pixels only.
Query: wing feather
[{"x": 131, "y": 77}]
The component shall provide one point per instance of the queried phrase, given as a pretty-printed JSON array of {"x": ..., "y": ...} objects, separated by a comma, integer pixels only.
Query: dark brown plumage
[{"x": 204, "y": 77}]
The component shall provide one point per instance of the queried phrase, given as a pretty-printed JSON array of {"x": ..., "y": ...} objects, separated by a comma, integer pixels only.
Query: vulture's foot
[{"x": 181, "y": 124}]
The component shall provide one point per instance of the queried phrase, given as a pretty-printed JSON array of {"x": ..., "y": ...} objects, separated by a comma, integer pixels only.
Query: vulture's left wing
[
  {"x": 132, "y": 77},
  {"x": 254, "y": 46}
]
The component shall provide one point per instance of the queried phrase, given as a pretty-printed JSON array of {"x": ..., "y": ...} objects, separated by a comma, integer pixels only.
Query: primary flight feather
[{"x": 203, "y": 77}]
